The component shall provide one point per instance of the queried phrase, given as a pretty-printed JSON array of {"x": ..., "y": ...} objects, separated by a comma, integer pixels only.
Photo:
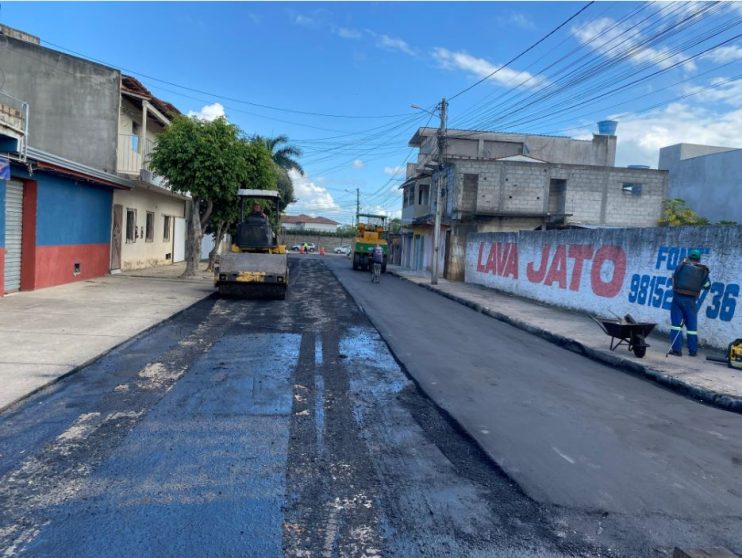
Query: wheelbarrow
[{"x": 627, "y": 331}]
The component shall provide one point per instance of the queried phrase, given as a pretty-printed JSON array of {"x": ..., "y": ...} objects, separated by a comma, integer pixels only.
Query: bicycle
[{"x": 376, "y": 273}]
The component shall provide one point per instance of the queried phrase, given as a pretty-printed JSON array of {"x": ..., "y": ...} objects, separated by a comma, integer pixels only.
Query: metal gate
[
  {"x": 13, "y": 235},
  {"x": 179, "y": 239}
]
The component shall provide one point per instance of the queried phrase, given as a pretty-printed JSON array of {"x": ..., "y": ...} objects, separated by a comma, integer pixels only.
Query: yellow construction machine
[
  {"x": 368, "y": 236},
  {"x": 257, "y": 266}
]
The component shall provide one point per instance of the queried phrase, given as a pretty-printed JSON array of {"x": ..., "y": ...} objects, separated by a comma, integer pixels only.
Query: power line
[
  {"x": 541, "y": 40},
  {"x": 224, "y": 97}
]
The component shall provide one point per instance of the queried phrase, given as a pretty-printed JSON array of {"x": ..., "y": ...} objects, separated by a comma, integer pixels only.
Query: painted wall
[
  {"x": 73, "y": 226},
  {"x": 706, "y": 177},
  {"x": 2, "y": 234},
  {"x": 140, "y": 253},
  {"x": 615, "y": 271},
  {"x": 73, "y": 103}
]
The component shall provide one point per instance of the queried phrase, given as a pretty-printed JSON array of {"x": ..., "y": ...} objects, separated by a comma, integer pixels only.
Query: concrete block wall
[
  {"x": 610, "y": 272},
  {"x": 594, "y": 195}
]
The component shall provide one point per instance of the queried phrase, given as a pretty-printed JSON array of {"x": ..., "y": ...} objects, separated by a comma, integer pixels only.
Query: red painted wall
[
  {"x": 55, "y": 264},
  {"x": 2, "y": 271},
  {"x": 28, "y": 242}
]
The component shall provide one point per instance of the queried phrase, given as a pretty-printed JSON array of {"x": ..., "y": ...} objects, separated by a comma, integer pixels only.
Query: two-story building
[
  {"x": 59, "y": 135},
  {"x": 493, "y": 182},
  {"x": 68, "y": 128},
  {"x": 149, "y": 219}
]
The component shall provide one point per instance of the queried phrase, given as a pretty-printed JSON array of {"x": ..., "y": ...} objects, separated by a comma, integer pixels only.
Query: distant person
[
  {"x": 690, "y": 277},
  {"x": 377, "y": 259},
  {"x": 305, "y": 248}
]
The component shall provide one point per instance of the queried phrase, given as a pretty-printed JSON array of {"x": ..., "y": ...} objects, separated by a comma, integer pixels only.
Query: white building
[
  {"x": 148, "y": 220},
  {"x": 305, "y": 223}
]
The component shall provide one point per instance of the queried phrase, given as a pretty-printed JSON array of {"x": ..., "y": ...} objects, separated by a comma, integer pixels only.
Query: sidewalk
[
  {"x": 51, "y": 332},
  {"x": 697, "y": 378}
]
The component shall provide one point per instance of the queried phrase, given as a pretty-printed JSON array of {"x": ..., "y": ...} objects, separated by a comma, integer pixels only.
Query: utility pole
[
  {"x": 438, "y": 189},
  {"x": 358, "y": 204}
]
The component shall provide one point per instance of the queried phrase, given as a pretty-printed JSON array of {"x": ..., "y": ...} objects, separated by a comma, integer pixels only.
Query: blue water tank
[{"x": 607, "y": 127}]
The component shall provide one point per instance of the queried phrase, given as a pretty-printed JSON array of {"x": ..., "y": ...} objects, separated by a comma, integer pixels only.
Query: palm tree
[{"x": 284, "y": 157}]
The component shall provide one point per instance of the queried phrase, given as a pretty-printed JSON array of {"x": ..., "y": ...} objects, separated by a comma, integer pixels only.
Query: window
[
  {"x": 134, "y": 136},
  {"x": 166, "y": 230},
  {"x": 131, "y": 225},
  {"x": 149, "y": 230},
  {"x": 423, "y": 194},
  {"x": 632, "y": 188}
]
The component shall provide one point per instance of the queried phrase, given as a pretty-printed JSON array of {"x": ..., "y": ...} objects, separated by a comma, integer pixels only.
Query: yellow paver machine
[{"x": 257, "y": 266}]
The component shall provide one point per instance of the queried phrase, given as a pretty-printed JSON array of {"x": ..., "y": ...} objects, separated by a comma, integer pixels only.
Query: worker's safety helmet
[{"x": 694, "y": 255}]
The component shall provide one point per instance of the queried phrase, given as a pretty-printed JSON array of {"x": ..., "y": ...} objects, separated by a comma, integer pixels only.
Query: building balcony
[{"x": 133, "y": 162}]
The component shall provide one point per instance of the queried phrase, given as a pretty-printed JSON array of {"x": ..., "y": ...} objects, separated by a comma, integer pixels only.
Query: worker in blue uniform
[{"x": 690, "y": 277}]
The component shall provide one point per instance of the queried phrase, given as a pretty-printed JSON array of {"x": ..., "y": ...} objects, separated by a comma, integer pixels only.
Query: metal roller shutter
[{"x": 13, "y": 235}]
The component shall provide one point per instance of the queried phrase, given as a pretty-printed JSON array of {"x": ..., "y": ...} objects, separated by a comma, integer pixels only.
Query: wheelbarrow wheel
[{"x": 639, "y": 351}]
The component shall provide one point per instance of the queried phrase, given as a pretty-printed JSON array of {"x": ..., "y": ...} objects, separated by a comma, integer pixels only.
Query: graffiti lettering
[
  {"x": 502, "y": 259},
  {"x": 606, "y": 273},
  {"x": 668, "y": 257},
  {"x": 656, "y": 291}
]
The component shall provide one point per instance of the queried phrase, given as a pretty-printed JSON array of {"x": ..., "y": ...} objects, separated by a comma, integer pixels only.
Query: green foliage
[
  {"x": 285, "y": 160},
  {"x": 203, "y": 158},
  {"x": 210, "y": 161},
  {"x": 395, "y": 225},
  {"x": 676, "y": 213},
  {"x": 285, "y": 187},
  {"x": 285, "y": 157},
  {"x": 726, "y": 222}
]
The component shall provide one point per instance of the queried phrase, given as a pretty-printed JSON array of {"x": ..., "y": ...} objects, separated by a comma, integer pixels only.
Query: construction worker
[
  {"x": 690, "y": 277},
  {"x": 305, "y": 248},
  {"x": 257, "y": 211}
]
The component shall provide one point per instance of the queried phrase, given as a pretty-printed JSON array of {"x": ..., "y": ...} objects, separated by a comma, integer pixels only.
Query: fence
[{"x": 615, "y": 271}]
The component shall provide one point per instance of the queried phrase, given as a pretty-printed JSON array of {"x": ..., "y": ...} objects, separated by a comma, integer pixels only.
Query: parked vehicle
[
  {"x": 344, "y": 250},
  {"x": 311, "y": 247}
]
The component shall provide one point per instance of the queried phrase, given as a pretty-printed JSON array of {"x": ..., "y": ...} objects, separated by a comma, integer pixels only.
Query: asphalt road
[
  {"x": 258, "y": 428},
  {"x": 656, "y": 468}
]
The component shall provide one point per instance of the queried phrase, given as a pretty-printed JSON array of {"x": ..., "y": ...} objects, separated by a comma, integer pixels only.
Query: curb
[
  {"x": 92, "y": 360},
  {"x": 723, "y": 401}
]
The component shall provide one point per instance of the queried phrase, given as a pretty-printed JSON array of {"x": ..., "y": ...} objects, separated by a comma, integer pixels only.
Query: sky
[{"x": 339, "y": 78}]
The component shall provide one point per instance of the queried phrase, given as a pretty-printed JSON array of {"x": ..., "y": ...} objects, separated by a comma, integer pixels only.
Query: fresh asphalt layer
[
  {"x": 261, "y": 429},
  {"x": 571, "y": 432}
]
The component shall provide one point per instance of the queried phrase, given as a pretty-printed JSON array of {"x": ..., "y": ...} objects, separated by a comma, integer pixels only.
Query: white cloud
[
  {"x": 724, "y": 54},
  {"x": 615, "y": 40},
  {"x": 640, "y": 137},
  {"x": 724, "y": 90},
  {"x": 381, "y": 210},
  {"x": 311, "y": 196},
  {"x": 358, "y": 164},
  {"x": 517, "y": 19},
  {"x": 394, "y": 43},
  {"x": 395, "y": 171},
  {"x": 479, "y": 67},
  {"x": 300, "y": 19},
  {"x": 348, "y": 33},
  {"x": 209, "y": 112}
]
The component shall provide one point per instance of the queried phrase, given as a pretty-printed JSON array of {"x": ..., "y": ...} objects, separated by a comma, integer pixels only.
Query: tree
[
  {"x": 395, "y": 225},
  {"x": 205, "y": 159},
  {"x": 284, "y": 156},
  {"x": 676, "y": 213},
  {"x": 285, "y": 187},
  {"x": 260, "y": 175}
]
